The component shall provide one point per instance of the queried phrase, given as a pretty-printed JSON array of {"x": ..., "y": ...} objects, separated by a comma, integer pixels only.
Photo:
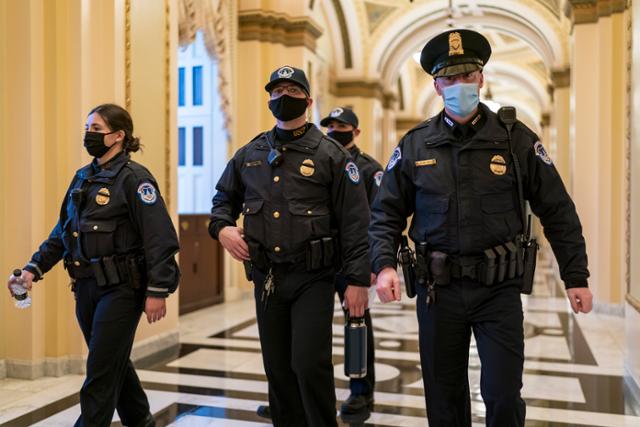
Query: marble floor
[{"x": 574, "y": 373}]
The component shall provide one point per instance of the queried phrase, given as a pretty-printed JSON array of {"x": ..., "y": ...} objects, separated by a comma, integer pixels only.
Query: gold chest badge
[
  {"x": 455, "y": 44},
  {"x": 307, "y": 168},
  {"x": 498, "y": 165},
  {"x": 103, "y": 196}
]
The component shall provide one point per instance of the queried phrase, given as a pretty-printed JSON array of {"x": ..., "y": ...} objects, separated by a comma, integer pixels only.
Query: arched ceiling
[{"x": 529, "y": 40}]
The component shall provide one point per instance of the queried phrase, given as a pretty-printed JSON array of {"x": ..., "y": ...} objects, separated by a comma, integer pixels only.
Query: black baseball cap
[
  {"x": 341, "y": 114},
  {"x": 288, "y": 73},
  {"x": 455, "y": 52}
]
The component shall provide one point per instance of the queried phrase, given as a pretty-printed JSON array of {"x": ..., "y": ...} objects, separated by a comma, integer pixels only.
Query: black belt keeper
[
  {"x": 328, "y": 251},
  {"x": 502, "y": 263},
  {"x": 98, "y": 272},
  {"x": 512, "y": 259},
  {"x": 314, "y": 255},
  {"x": 489, "y": 273}
]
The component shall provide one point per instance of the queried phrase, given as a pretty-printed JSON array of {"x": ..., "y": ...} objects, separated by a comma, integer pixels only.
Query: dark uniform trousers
[
  {"x": 108, "y": 317},
  {"x": 495, "y": 316},
  {"x": 361, "y": 386},
  {"x": 296, "y": 339}
]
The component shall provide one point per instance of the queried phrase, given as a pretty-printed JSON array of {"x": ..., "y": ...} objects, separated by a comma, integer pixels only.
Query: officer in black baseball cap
[
  {"x": 343, "y": 115},
  {"x": 455, "y": 52},
  {"x": 288, "y": 74}
]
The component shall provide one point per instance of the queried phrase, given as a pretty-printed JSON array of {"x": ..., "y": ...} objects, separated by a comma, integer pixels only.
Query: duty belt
[
  {"x": 496, "y": 265},
  {"x": 110, "y": 270}
]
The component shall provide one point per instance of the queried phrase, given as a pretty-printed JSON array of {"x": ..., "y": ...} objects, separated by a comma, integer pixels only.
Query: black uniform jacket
[
  {"x": 463, "y": 195},
  {"x": 120, "y": 212},
  {"x": 316, "y": 192},
  {"x": 370, "y": 170}
]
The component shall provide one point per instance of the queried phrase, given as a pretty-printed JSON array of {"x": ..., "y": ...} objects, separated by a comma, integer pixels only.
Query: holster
[{"x": 439, "y": 267}]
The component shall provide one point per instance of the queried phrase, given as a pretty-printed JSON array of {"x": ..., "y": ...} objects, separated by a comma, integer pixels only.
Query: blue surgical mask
[{"x": 461, "y": 99}]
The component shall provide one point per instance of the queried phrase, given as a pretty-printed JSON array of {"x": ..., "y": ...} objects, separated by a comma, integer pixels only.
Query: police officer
[
  {"x": 118, "y": 245},
  {"x": 455, "y": 174},
  {"x": 342, "y": 125},
  {"x": 304, "y": 208}
]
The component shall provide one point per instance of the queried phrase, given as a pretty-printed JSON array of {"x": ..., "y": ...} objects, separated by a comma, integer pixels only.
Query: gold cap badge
[
  {"x": 455, "y": 44},
  {"x": 307, "y": 168},
  {"x": 103, "y": 196},
  {"x": 498, "y": 165}
]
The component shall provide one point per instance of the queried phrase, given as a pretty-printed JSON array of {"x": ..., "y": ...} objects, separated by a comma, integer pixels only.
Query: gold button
[
  {"x": 276, "y": 214},
  {"x": 309, "y": 212},
  {"x": 284, "y": 148},
  {"x": 277, "y": 249},
  {"x": 95, "y": 227},
  {"x": 248, "y": 209},
  {"x": 276, "y": 179},
  {"x": 76, "y": 263},
  {"x": 75, "y": 234}
]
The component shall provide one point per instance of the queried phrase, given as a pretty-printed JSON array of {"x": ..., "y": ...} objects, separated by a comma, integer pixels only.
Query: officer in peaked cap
[
  {"x": 455, "y": 52},
  {"x": 305, "y": 214},
  {"x": 457, "y": 174}
]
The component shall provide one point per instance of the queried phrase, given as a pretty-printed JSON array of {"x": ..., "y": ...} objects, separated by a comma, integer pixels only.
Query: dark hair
[{"x": 117, "y": 118}]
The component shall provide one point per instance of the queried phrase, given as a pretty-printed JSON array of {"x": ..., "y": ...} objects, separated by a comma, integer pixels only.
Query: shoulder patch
[
  {"x": 542, "y": 153},
  {"x": 378, "y": 177},
  {"x": 395, "y": 157},
  {"x": 147, "y": 193},
  {"x": 352, "y": 172}
]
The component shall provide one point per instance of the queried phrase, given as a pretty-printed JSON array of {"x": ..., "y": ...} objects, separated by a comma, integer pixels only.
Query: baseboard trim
[
  {"x": 25, "y": 369},
  {"x": 59, "y": 366},
  {"x": 145, "y": 353}
]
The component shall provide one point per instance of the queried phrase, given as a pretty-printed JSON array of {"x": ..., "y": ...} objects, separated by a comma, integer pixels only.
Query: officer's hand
[
  {"x": 155, "y": 308},
  {"x": 231, "y": 239},
  {"x": 581, "y": 299},
  {"x": 388, "y": 285},
  {"x": 356, "y": 299},
  {"x": 26, "y": 280}
]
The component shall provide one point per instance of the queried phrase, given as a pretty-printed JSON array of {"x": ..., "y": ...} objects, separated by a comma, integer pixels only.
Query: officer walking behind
[
  {"x": 118, "y": 245},
  {"x": 304, "y": 208},
  {"x": 342, "y": 126},
  {"x": 455, "y": 173}
]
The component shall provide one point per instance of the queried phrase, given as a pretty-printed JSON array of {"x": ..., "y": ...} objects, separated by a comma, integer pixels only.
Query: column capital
[
  {"x": 278, "y": 28},
  {"x": 589, "y": 11}
]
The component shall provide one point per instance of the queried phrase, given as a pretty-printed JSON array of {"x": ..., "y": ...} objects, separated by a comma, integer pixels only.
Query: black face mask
[
  {"x": 94, "y": 143},
  {"x": 343, "y": 138},
  {"x": 287, "y": 107}
]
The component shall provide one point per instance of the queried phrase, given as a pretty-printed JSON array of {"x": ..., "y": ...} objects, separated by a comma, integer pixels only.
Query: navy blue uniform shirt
[
  {"x": 316, "y": 192},
  {"x": 120, "y": 212},
  {"x": 459, "y": 184}
]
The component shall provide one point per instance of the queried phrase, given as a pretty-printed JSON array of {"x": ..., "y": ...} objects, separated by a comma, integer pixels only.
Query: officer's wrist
[{"x": 569, "y": 284}]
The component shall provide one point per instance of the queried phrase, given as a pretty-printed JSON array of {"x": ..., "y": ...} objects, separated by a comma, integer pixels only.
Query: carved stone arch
[{"x": 409, "y": 32}]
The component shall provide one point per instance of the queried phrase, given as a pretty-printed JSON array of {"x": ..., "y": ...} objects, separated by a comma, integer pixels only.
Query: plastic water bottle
[{"x": 20, "y": 294}]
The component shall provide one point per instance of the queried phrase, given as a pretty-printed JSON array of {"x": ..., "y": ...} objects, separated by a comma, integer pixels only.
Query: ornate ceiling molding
[{"x": 278, "y": 28}]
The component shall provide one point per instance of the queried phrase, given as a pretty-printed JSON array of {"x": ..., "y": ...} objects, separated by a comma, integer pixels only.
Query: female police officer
[{"x": 118, "y": 245}]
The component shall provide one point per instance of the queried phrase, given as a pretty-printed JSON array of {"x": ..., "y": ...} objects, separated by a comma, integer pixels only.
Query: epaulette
[
  {"x": 138, "y": 170},
  {"x": 421, "y": 125}
]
